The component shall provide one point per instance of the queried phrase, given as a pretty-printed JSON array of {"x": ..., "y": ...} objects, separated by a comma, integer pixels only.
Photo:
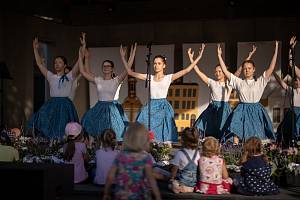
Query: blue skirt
[
  {"x": 213, "y": 118},
  {"x": 52, "y": 117},
  {"x": 247, "y": 120},
  {"x": 161, "y": 120},
  {"x": 122, "y": 113},
  {"x": 287, "y": 129},
  {"x": 104, "y": 115}
]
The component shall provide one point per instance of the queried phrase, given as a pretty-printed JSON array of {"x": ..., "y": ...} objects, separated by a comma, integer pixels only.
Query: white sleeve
[
  {"x": 49, "y": 75},
  {"x": 97, "y": 80},
  {"x": 263, "y": 81},
  {"x": 234, "y": 81},
  {"x": 70, "y": 76},
  {"x": 210, "y": 82},
  {"x": 169, "y": 77}
]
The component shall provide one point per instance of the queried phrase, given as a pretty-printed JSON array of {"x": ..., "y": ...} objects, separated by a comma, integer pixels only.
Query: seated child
[
  {"x": 184, "y": 169},
  {"x": 255, "y": 176},
  {"x": 213, "y": 178}
]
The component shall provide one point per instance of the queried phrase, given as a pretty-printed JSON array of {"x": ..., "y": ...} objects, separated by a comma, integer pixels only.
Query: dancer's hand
[
  {"x": 293, "y": 42},
  {"x": 202, "y": 49},
  {"x": 82, "y": 39},
  {"x": 123, "y": 51},
  {"x": 35, "y": 43},
  {"x": 219, "y": 49},
  {"x": 191, "y": 54},
  {"x": 253, "y": 50}
]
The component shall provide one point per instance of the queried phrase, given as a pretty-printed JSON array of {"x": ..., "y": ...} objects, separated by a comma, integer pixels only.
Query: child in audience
[
  {"x": 255, "y": 176},
  {"x": 75, "y": 151},
  {"x": 105, "y": 155},
  {"x": 184, "y": 170},
  {"x": 132, "y": 169},
  {"x": 7, "y": 152},
  {"x": 213, "y": 177}
]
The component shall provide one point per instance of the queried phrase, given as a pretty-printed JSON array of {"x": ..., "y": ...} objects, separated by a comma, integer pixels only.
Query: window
[
  {"x": 182, "y": 116},
  {"x": 193, "y": 104},
  {"x": 176, "y": 116},
  {"x": 170, "y": 92},
  {"x": 177, "y": 92},
  {"x": 184, "y": 92},
  {"x": 183, "y": 104},
  {"x": 187, "y": 117},
  {"x": 176, "y": 104},
  {"x": 188, "y": 106},
  {"x": 194, "y": 92},
  {"x": 276, "y": 115},
  {"x": 189, "y": 92}
]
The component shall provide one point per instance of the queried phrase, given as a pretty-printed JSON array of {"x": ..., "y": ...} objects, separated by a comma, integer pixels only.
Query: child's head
[
  {"x": 210, "y": 147},
  {"x": 190, "y": 138},
  {"x": 251, "y": 147},
  {"x": 108, "y": 139},
  {"x": 136, "y": 138},
  {"x": 73, "y": 130}
]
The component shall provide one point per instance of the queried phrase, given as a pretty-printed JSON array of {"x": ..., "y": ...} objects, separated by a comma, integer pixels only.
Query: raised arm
[
  {"x": 128, "y": 68},
  {"x": 75, "y": 68},
  {"x": 201, "y": 75},
  {"x": 38, "y": 59},
  {"x": 270, "y": 70},
  {"x": 239, "y": 70},
  {"x": 130, "y": 60},
  {"x": 280, "y": 81},
  {"x": 190, "y": 67},
  {"x": 88, "y": 75},
  {"x": 293, "y": 43},
  {"x": 222, "y": 64}
]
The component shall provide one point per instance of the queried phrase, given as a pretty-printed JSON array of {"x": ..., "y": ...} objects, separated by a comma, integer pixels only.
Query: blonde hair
[
  {"x": 136, "y": 138},
  {"x": 251, "y": 147},
  {"x": 210, "y": 147},
  {"x": 190, "y": 138}
]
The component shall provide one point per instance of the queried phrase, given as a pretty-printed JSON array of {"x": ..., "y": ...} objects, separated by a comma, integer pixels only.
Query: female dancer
[
  {"x": 52, "y": 117},
  {"x": 105, "y": 113},
  {"x": 249, "y": 118},
  {"x": 162, "y": 114},
  {"x": 212, "y": 119},
  {"x": 289, "y": 129}
]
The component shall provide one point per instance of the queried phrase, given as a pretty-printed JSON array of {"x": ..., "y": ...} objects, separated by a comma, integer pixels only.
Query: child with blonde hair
[
  {"x": 184, "y": 169},
  {"x": 131, "y": 171},
  {"x": 255, "y": 176},
  {"x": 213, "y": 178},
  {"x": 105, "y": 156}
]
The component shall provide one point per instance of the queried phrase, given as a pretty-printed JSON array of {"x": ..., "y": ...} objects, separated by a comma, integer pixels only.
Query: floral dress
[
  {"x": 130, "y": 181},
  {"x": 211, "y": 181}
]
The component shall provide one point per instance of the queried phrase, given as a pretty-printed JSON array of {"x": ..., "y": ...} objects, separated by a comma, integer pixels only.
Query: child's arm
[
  {"x": 109, "y": 181},
  {"x": 224, "y": 171},
  {"x": 174, "y": 170},
  {"x": 152, "y": 182}
]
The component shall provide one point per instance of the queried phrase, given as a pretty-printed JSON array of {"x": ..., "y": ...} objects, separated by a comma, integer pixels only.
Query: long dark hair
[{"x": 70, "y": 149}]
